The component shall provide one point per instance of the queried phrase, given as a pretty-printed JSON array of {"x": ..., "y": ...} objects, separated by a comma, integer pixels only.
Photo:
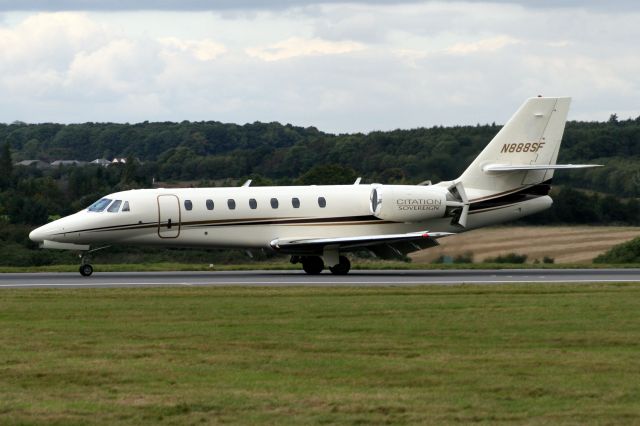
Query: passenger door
[{"x": 168, "y": 216}]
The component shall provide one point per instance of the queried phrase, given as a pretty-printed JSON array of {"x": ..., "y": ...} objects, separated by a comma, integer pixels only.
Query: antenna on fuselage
[
  {"x": 247, "y": 183},
  {"x": 357, "y": 182}
]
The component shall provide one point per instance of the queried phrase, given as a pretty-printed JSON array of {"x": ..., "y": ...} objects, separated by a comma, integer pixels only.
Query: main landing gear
[
  {"x": 341, "y": 268},
  {"x": 314, "y": 265},
  {"x": 86, "y": 270}
]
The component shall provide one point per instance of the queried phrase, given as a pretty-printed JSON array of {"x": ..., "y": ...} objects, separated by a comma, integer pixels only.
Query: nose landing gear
[{"x": 85, "y": 262}]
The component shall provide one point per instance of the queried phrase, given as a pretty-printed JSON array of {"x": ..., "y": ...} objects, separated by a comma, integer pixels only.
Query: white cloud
[
  {"x": 48, "y": 40},
  {"x": 297, "y": 46},
  {"x": 340, "y": 67},
  {"x": 203, "y": 50},
  {"x": 486, "y": 45},
  {"x": 113, "y": 69}
]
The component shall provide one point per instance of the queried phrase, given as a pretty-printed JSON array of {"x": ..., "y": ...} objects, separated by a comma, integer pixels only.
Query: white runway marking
[
  {"x": 314, "y": 283},
  {"x": 388, "y": 278}
]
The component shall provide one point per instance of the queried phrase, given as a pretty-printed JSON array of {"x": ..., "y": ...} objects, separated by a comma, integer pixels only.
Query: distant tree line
[
  {"x": 572, "y": 206},
  {"x": 281, "y": 154}
]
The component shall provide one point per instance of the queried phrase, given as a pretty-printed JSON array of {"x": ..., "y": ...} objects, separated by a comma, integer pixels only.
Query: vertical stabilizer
[{"x": 531, "y": 137}]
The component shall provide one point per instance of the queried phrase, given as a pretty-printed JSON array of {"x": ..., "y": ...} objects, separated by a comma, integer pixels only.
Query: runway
[{"x": 298, "y": 278}]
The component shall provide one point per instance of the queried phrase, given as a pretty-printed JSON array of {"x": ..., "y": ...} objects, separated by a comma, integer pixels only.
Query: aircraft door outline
[{"x": 168, "y": 216}]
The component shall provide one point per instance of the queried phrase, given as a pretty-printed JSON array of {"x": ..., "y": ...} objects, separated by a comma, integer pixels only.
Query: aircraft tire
[
  {"x": 86, "y": 270},
  {"x": 312, "y": 265},
  {"x": 341, "y": 268}
]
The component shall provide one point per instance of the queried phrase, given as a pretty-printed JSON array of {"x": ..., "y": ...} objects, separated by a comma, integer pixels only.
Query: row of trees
[
  {"x": 572, "y": 206},
  {"x": 282, "y": 153}
]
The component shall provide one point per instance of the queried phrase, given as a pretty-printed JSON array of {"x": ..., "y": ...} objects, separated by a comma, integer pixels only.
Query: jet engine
[
  {"x": 405, "y": 203},
  {"x": 408, "y": 203}
]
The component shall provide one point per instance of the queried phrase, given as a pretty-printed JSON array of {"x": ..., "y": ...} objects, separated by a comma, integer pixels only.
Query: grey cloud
[
  {"x": 228, "y": 5},
  {"x": 168, "y": 5}
]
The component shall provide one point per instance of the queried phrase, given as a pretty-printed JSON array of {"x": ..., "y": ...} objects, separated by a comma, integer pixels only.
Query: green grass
[
  {"x": 356, "y": 264},
  {"x": 436, "y": 355}
]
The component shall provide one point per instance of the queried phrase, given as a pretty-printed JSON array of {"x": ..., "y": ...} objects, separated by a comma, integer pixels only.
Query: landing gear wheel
[
  {"x": 341, "y": 268},
  {"x": 86, "y": 270},
  {"x": 85, "y": 261},
  {"x": 312, "y": 265}
]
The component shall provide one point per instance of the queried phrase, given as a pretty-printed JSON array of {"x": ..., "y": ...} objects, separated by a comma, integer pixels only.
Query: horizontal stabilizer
[{"x": 497, "y": 168}]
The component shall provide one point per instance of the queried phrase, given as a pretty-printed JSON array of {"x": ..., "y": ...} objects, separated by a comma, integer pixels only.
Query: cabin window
[
  {"x": 274, "y": 203},
  {"x": 99, "y": 205},
  {"x": 209, "y": 204},
  {"x": 125, "y": 207},
  {"x": 188, "y": 204},
  {"x": 231, "y": 203},
  {"x": 295, "y": 202},
  {"x": 322, "y": 202},
  {"x": 253, "y": 203},
  {"x": 115, "y": 206}
]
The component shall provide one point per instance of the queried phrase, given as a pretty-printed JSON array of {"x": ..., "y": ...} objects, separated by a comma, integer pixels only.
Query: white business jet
[{"x": 316, "y": 225}]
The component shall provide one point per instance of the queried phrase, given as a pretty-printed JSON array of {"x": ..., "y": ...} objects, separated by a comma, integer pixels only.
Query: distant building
[
  {"x": 119, "y": 161},
  {"x": 101, "y": 162},
  {"x": 58, "y": 163},
  {"x": 33, "y": 163}
]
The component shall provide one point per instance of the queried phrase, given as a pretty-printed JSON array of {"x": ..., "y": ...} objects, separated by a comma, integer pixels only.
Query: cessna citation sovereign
[{"x": 316, "y": 225}]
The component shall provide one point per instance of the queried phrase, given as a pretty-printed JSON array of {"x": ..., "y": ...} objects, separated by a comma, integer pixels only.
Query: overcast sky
[{"x": 342, "y": 67}]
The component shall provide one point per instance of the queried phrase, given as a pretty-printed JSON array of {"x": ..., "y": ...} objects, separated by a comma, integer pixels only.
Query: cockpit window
[
  {"x": 99, "y": 205},
  {"x": 125, "y": 207},
  {"x": 115, "y": 206}
]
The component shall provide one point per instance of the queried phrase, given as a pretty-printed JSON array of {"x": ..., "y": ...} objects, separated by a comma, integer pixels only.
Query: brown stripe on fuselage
[
  {"x": 346, "y": 220},
  {"x": 291, "y": 221}
]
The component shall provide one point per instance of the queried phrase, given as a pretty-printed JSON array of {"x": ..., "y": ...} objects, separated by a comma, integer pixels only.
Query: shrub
[
  {"x": 628, "y": 252},
  {"x": 507, "y": 258},
  {"x": 466, "y": 257}
]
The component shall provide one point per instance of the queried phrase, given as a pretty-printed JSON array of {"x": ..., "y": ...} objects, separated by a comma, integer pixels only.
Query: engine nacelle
[{"x": 404, "y": 203}]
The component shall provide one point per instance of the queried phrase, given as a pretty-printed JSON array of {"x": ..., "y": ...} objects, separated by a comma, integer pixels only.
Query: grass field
[
  {"x": 561, "y": 354},
  {"x": 565, "y": 244}
]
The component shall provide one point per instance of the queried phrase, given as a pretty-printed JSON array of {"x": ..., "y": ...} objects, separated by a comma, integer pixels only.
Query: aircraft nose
[{"x": 38, "y": 235}]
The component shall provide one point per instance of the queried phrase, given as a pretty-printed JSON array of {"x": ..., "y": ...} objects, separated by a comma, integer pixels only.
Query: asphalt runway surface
[{"x": 299, "y": 278}]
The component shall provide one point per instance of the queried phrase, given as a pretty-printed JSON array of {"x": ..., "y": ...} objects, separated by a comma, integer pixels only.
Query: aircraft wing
[{"x": 390, "y": 246}]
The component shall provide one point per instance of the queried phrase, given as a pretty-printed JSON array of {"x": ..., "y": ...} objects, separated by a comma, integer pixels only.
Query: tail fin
[{"x": 518, "y": 154}]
